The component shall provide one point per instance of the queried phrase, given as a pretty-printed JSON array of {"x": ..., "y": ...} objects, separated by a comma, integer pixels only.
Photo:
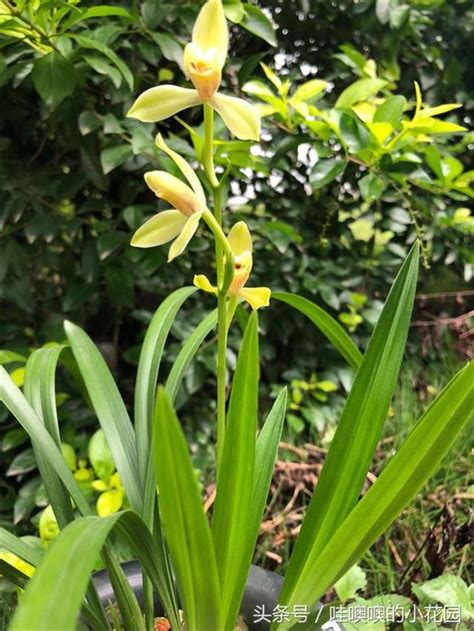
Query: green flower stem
[
  {"x": 219, "y": 250},
  {"x": 227, "y": 258},
  {"x": 225, "y": 273},
  {"x": 222, "y": 331},
  {"x": 208, "y": 156}
]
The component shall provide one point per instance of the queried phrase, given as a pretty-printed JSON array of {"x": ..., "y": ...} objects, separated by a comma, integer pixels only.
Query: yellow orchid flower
[
  {"x": 189, "y": 202},
  {"x": 240, "y": 242},
  {"x": 204, "y": 58}
]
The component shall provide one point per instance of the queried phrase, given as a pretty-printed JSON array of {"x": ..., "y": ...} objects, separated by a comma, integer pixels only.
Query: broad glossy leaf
[
  {"x": 408, "y": 470},
  {"x": 325, "y": 171},
  {"x": 256, "y": 22},
  {"x": 358, "y": 430},
  {"x": 90, "y": 43},
  {"x": 54, "y": 78},
  {"x": 110, "y": 410},
  {"x": 234, "y": 500},
  {"x": 328, "y": 326},
  {"x": 359, "y": 91},
  {"x": 186, "y": 527},
  {"x": 391, "y": 111},
  {"x": 354, "y": 133}
]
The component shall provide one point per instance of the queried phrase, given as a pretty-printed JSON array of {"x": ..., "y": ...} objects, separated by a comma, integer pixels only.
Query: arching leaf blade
[{"x": 328, "y": 326}]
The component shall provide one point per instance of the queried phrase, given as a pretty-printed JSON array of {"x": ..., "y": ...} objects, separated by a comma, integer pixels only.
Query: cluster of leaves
[
  {"x": 335, "y": 207},
  {"x": 89, "y": 459},
  {"x": 448, "y": 591}
]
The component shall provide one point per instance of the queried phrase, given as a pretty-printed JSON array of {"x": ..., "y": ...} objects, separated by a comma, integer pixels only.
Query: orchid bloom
[
  {"x": 189, "y": 202},
  {"x": 240, "y": 242},
  {"x": 204, "y": 58}
]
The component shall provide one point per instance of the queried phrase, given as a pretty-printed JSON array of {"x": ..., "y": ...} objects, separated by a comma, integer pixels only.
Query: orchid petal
[
  {"x": 256, "y": 296},
  {"x": 161, "y": 102},
  {"x": 185, "y": 237},
  {"x": 160, "y": 229},
  {"x": 202, "y": 282},
  {"x": 239, "y": 238},
  {"x": 241, "y": 118},
  {"x": 174, "y": 191},
  {"x": 210, "y": 30},
  {"x": 184, "y": 167}
]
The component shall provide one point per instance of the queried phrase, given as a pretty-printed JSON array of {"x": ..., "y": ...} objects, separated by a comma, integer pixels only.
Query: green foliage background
[{"x": 72, "y": 190}]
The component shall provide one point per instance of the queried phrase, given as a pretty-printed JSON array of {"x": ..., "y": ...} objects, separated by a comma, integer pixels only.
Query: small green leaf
[
  {"x": 255, "y": 21},
  {"x": 371, "y": 187},
  {"x": 382, "y": 10},
  {"x": 391, "y": 111},
  {"x": 22, "y": 463},
  {"x": 112, "y": 157},
  {"x": 354, "y": 133},
  {"x": 310, "y": 89},
  {"x": 100, "y": 455},
  {"x": 14, "y": 438},
  {"x": 348, "y": 585},
  {"x": 94, "y": 44},
  {"x": 359, "y": 91},
  {"x": 448, "y": 590},
  {"x": 325, "y": 171},
  {"x": 54, "y": 78},
  {"x": 170, "y": 48}
]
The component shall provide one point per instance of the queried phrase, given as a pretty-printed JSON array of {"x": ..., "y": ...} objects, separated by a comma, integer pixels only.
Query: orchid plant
[{"x": 199, "y": 567}]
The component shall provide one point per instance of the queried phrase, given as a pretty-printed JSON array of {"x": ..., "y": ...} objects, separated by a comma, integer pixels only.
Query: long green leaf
[
  {"x": 130, "y": 612},
  {"x": 328, "y": 326},
  {"x": 149, "y": 366},
  {"x": 55, "y": 593},
  {"x": 406, "y": 473},
  {"x": 234, "y": 506},
  {"x": 40, "y": 390},
  {"x": 359, "y": 429},
  {"x": 110, "y": 410},
  {"x": 16, "y": 402},
  {"x": 186, "y": 527},
  {"x": 21, "y": 548},
  {"x": 187, "y": 353},
  {"x": 265, "y": 456},
  {"x": 13, "y": 574}
]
